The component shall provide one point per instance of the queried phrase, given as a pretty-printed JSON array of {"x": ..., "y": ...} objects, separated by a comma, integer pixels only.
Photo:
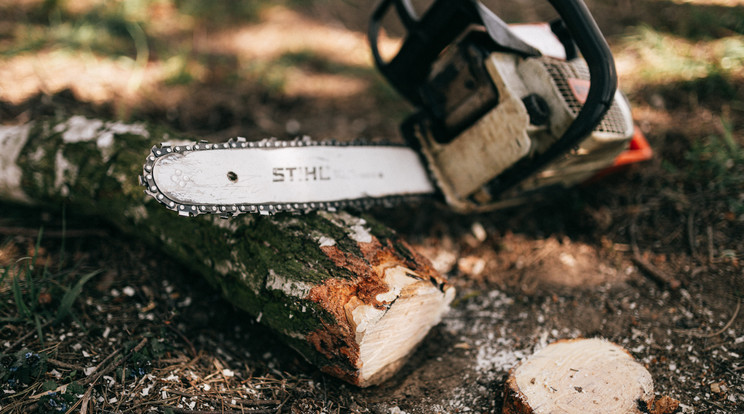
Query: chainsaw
[{"x": 504, "y": 114}]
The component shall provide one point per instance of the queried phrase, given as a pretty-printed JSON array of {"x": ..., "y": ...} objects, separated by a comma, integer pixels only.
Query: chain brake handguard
[{"x": 471, "y": 125}]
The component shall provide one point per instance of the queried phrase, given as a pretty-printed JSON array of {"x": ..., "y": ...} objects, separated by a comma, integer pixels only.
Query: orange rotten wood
[{"x": 383, "y": 314}]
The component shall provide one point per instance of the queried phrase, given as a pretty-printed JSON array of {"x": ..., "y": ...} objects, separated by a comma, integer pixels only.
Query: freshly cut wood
[
  {"x": 582, "y": 376},
  {"x": 342, "y": 289}
]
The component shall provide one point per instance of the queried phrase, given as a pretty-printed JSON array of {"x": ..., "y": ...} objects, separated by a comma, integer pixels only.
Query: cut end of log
[
  {"x": 580, "y": 376},
  {"x": 387, "y": 336},
  {"x": 383, "y": 313}
]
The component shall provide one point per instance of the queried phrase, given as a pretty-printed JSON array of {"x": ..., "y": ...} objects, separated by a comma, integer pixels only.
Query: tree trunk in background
[{"x": 341, "y": 289}]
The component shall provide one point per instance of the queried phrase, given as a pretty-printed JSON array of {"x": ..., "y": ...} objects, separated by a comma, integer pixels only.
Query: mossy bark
[{"x": 303, "y": 276}]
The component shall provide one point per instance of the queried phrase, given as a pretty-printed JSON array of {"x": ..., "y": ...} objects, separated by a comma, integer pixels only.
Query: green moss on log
[
  {"x": 234, "y": 255},
  {"x": 265, "y": 266}
]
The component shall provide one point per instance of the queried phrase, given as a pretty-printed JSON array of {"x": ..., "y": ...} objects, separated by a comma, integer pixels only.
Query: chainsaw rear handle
[
  {"x": 425, "y": 39},
  {"x": 445, "y": 20}
]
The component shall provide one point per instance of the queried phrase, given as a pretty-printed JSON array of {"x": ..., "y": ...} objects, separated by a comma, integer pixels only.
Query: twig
[
  {"x": 710, "y": 243},
  {"x": 650, "y": 270},
  {"x": 187, "y": 411},
  {"x": 29, "y": 232},
  {"x": 24, "y": 337},
  {"x": 99, "y": 373},
  {"x": 192, "y": 349},
  {"x": 171, "y": 361},
  {"x": 65, "y": 365},
  {"x": 132, "y": 391},
  {"x": 91, "y": 380},
  {"x": 655, "y": 273},
  {"x": 86, "y": 399},
  {"x": 158, "y": 402},
  {"x": 181, "y": 393},
  {"x": 251, "y": 403},
  {"x": 83, "y": 402},
  {"x": 280, "y": 406},
  {"x": 103, "y": 363},
  {"x": 239, "y": 403},
  {"x": 728, "y": 324},
  {"x": 16, "y": 406},
  {"x": 719, "y": 406},
  {"x": 691, "y": 232},
  {"x": 698, "y": 334},
  {"x": 242, "y": 404},
  {"x": 714, "y": 346},
  {"x": 185, "y": 362}
]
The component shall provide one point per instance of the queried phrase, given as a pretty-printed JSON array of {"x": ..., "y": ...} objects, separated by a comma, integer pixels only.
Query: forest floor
[{"x": 649, "y": 258}]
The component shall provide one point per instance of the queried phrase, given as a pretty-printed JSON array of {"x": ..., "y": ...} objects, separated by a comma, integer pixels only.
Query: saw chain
[{"x": 168, "y": 188}]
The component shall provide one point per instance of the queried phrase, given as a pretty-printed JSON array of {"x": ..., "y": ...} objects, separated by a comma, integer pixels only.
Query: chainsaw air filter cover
[{"x": 537, "y": 98}]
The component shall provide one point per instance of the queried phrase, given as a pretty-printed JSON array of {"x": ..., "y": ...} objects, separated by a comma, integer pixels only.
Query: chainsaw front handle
[{"x": 603, "y": 77}]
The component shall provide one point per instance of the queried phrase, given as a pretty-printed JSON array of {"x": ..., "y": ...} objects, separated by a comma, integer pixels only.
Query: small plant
[
  {"x": 55, "y": 403},
  {"x": 19, "y": 370},
  {"x": 139, "y": 363},
  {"x": 58, "y": 402},
  {"x": 718, "y": 161},
  {"x": 35, "y": 293},
  {"x": 40, "y": 295},
  {"x": 707, "y": 69}
]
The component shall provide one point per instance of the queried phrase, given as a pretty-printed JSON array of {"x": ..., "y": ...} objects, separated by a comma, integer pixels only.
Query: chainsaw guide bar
[{"x": 273, "y": 176}]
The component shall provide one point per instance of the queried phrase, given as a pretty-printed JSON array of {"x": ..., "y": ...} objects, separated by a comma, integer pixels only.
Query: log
[
  {"x": 342, "y": 289},
  {"x": 582, "y": 376}
]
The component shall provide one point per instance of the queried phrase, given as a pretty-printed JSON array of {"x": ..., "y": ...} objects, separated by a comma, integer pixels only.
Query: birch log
[
  {"x": 342, "y": 290},
  {"x": 583, "y": 376}
]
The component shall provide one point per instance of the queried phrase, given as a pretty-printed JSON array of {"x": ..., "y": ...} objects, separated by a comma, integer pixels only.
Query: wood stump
[{"x": 582, "y": 376}]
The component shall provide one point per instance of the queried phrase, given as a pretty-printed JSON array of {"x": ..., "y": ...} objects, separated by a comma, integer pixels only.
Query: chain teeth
[{"x": 231, "y": 210}]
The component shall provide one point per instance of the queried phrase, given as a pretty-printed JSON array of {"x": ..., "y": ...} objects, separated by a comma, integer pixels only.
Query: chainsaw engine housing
[
  {"x": 505, "y": 112},
  {"x": 523, "y": 106}
]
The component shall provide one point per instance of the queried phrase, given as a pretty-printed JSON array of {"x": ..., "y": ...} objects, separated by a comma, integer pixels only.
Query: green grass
[
  {"x": 40, "y": 295},
  {"x": 104, "y": 30},
  {"x": 20, "y": 369},
  {"x": 717, "y": 162},
  {"x": 221, "y": 12},
  {"x": 663, "y": 57},
  {"x": 700, "y": 22},
  {"x": 41, "y": 292},
  {"x": 698, "y": 74}
]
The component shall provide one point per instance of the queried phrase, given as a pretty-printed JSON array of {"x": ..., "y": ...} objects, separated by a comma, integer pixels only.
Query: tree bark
[
  {"x": 583, "y": 376},
  {"x": 341, "y": 289}
]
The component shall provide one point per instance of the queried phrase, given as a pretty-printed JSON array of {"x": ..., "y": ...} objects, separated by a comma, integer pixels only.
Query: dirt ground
[{"x": 647, "y": 258}]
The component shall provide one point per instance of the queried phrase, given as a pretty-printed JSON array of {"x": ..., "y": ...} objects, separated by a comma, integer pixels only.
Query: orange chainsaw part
[{"x": 638, "y": 150}]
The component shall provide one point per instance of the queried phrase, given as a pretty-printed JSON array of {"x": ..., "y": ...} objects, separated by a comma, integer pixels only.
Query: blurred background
[
  {"x": 219, "y": 69},
  {"x": 281, "y": 68}
]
